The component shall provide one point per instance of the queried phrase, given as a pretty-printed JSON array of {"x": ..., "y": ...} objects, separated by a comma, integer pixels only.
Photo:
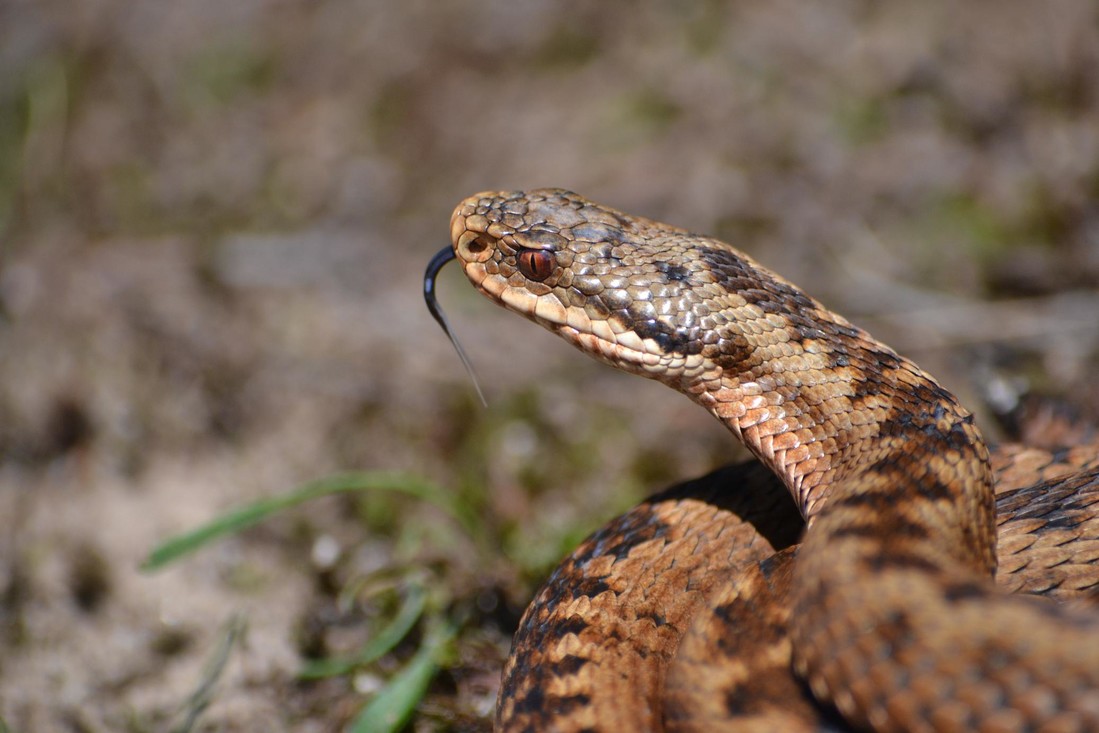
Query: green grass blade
[
  {"x": 382, "y": 643},
  {"x": 251, "y": 514},
  {"x": 201, "y": 698},
  {"x": 394, "y": 704}
]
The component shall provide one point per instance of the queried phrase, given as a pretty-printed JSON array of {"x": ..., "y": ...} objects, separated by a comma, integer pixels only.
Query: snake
[{"x": 875, "y": 568}]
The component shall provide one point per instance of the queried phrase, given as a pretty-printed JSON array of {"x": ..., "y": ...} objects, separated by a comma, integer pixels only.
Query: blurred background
[{"x": 214, "y": 220}]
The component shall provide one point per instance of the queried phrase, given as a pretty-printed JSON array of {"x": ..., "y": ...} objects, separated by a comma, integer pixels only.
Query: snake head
[{"x": 616, "y": 286}]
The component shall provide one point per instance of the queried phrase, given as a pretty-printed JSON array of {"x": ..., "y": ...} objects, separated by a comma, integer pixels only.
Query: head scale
[{"x": 621, "y": 288}]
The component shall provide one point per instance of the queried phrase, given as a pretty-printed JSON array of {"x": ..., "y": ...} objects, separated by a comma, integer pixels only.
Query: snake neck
[{"x": 867, "y": 443}]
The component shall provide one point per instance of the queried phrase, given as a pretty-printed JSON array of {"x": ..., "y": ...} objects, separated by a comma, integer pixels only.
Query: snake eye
[{"x": 535, "y": 264}]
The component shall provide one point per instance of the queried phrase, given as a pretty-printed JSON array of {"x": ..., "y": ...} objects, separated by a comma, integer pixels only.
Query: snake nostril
[
  {"x": 475, "y": 246},
  {"x": 480, "y": 244}
]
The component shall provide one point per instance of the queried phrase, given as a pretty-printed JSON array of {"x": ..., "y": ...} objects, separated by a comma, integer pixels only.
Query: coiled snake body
[{"x": 697, "y": 610}]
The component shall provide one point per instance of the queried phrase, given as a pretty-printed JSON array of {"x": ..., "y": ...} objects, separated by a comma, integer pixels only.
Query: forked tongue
[{"x": 445, "y": 255}]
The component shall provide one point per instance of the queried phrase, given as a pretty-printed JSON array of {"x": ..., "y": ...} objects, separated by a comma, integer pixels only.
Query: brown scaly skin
[
  {"x": 732, "y": 519},
  {"x": 594, "y": 644},
  {"x": 1049, "y": 545},
  {"x": 887, "y": 609}
]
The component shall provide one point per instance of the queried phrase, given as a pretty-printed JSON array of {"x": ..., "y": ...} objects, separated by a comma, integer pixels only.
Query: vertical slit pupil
[{"x": 536, "y": 264}]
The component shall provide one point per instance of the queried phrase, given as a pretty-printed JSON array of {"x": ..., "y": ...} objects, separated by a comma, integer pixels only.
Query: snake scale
[{"x": 846, "y": 581}]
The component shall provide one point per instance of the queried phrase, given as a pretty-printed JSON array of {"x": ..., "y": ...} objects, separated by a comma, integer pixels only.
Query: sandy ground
[{"x": 215, "y": 217}]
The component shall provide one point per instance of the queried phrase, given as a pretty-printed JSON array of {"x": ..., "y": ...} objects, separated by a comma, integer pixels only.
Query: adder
[{"x": 848, "y": 580}]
